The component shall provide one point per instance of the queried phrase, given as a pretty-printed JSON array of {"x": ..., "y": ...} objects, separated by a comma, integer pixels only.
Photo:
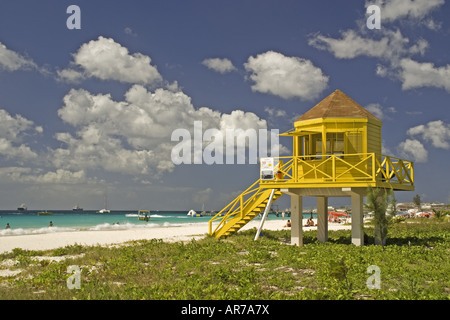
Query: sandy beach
[{"x": 48, "y": 241}]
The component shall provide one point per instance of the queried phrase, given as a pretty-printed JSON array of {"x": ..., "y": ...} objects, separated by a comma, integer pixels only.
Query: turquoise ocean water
[{"x": 29, "y": 222}]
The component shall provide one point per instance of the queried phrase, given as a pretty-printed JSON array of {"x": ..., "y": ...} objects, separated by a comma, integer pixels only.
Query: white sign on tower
[{"x": 266, "y": 169}]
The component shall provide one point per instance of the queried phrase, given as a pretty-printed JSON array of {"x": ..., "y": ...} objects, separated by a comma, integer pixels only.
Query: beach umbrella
[
  {"x": 424, "y": 214},
  {"x": 338, "y": 214}
]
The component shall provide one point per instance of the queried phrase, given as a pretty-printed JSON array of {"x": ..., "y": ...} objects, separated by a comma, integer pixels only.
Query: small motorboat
[
  {"x": 143, "y": 215},
  {"x": 77, "y": 208},
  {"x": 45, "y": 213}
]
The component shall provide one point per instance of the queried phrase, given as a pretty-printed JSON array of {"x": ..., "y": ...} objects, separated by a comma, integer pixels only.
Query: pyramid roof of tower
[{"x": 337, "y": 105}]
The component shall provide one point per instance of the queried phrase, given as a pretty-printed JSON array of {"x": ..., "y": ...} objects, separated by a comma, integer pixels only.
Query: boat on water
[
  {"x": 143, "y": 215},
  {"x": 45, "y": 213},
  {"x": 105, "y": 210},
  {"x": 193, "y": 213},
  {"x": 77, "y": 208},
  {"x": 22, "y": 207}
]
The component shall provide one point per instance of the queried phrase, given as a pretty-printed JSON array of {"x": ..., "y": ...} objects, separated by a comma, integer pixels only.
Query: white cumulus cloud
[
  {"x": 273, "y": 112},
  {"x": 70, "y": 75},
  {"x": 287, "y": 77},
  {"x": 108, "y": 60},
  {"x": 397, "y": 9},
  {"x": 413, "y": 149},
  {"x": 390, "y": 46},
  {"x": 415, "y": 74},
  {"x": 29, "y": 175},
  {"x": 20, "y": 152},
  {"x": 133, "y": 136},
  {"x": 221, "y": 65},
  {"x": 12, "y": 61},
  {"x": 12, "y": 131},
  {"x": 379, "y": 111},
  {"x": 436, "y": 132}
]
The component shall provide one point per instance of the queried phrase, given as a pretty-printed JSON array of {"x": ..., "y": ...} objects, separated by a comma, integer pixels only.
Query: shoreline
[{"x": 54, "y": 240}]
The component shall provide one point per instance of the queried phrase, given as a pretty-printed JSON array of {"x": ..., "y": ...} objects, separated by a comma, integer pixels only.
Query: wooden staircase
[{"x": 241, "y": 210}]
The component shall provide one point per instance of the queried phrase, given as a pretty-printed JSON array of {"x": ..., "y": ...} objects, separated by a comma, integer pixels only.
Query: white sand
[{"x": 55, "y": 240}]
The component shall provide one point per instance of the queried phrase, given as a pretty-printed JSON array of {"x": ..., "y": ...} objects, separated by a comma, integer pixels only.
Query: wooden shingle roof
[{"x": 337, "y": 105}]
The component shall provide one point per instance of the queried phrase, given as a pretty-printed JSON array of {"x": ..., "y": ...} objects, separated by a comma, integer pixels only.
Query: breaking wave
[
  {"x": 132, "y": 215},
  {"x": 99, "y": 227},
  {"x": 27, "y": 231}
]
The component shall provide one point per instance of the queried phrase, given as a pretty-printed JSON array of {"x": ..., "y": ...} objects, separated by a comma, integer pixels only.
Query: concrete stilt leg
[
  {"x": 322, "y": 219},
  {"x": 357, "y": 219},
  {"x": 296, "y": 220}
]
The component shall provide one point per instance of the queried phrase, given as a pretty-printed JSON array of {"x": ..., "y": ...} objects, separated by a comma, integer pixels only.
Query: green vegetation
[
  {"x": 378, "y": 201},
  {"x": 417, "y": 201},
  {"x": 441, "y": 215},
  {"x": 414, "y": 264}
]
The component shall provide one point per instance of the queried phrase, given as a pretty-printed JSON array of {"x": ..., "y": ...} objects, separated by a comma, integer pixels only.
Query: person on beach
[
  {"x": 288, "y": 224},
  {"x": 51, "y": 224},
  {"x": 7, "y": 226},
  {"x": 309, "y": 223}
]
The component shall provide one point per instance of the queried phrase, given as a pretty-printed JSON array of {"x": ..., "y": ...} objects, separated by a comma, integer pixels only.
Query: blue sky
[{"x": 91, "y": 110}]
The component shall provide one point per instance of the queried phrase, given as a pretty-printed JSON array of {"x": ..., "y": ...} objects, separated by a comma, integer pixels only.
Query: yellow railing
[
  {"x": 346, "y": 168},
  {"x": 394, "y": 170},
  {"x": 236, "y": 206},
  {"x": 318, "y": 170}
]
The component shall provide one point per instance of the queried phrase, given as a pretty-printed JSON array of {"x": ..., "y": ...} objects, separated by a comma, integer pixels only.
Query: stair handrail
[{"x": 235, "y": 206}]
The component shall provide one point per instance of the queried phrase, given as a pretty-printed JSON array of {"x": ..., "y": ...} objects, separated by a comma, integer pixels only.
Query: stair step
[{"x": 251, "y": 210}]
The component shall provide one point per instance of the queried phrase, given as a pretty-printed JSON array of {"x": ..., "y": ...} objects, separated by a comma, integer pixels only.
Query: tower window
[{"x": 335, "y": 142}]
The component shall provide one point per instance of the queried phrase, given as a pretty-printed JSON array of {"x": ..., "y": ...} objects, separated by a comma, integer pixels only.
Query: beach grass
[{"x": 413, "y": 265}]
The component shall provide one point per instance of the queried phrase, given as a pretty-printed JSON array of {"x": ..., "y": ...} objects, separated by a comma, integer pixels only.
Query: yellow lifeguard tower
[{"x": 336, "y": 153}]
